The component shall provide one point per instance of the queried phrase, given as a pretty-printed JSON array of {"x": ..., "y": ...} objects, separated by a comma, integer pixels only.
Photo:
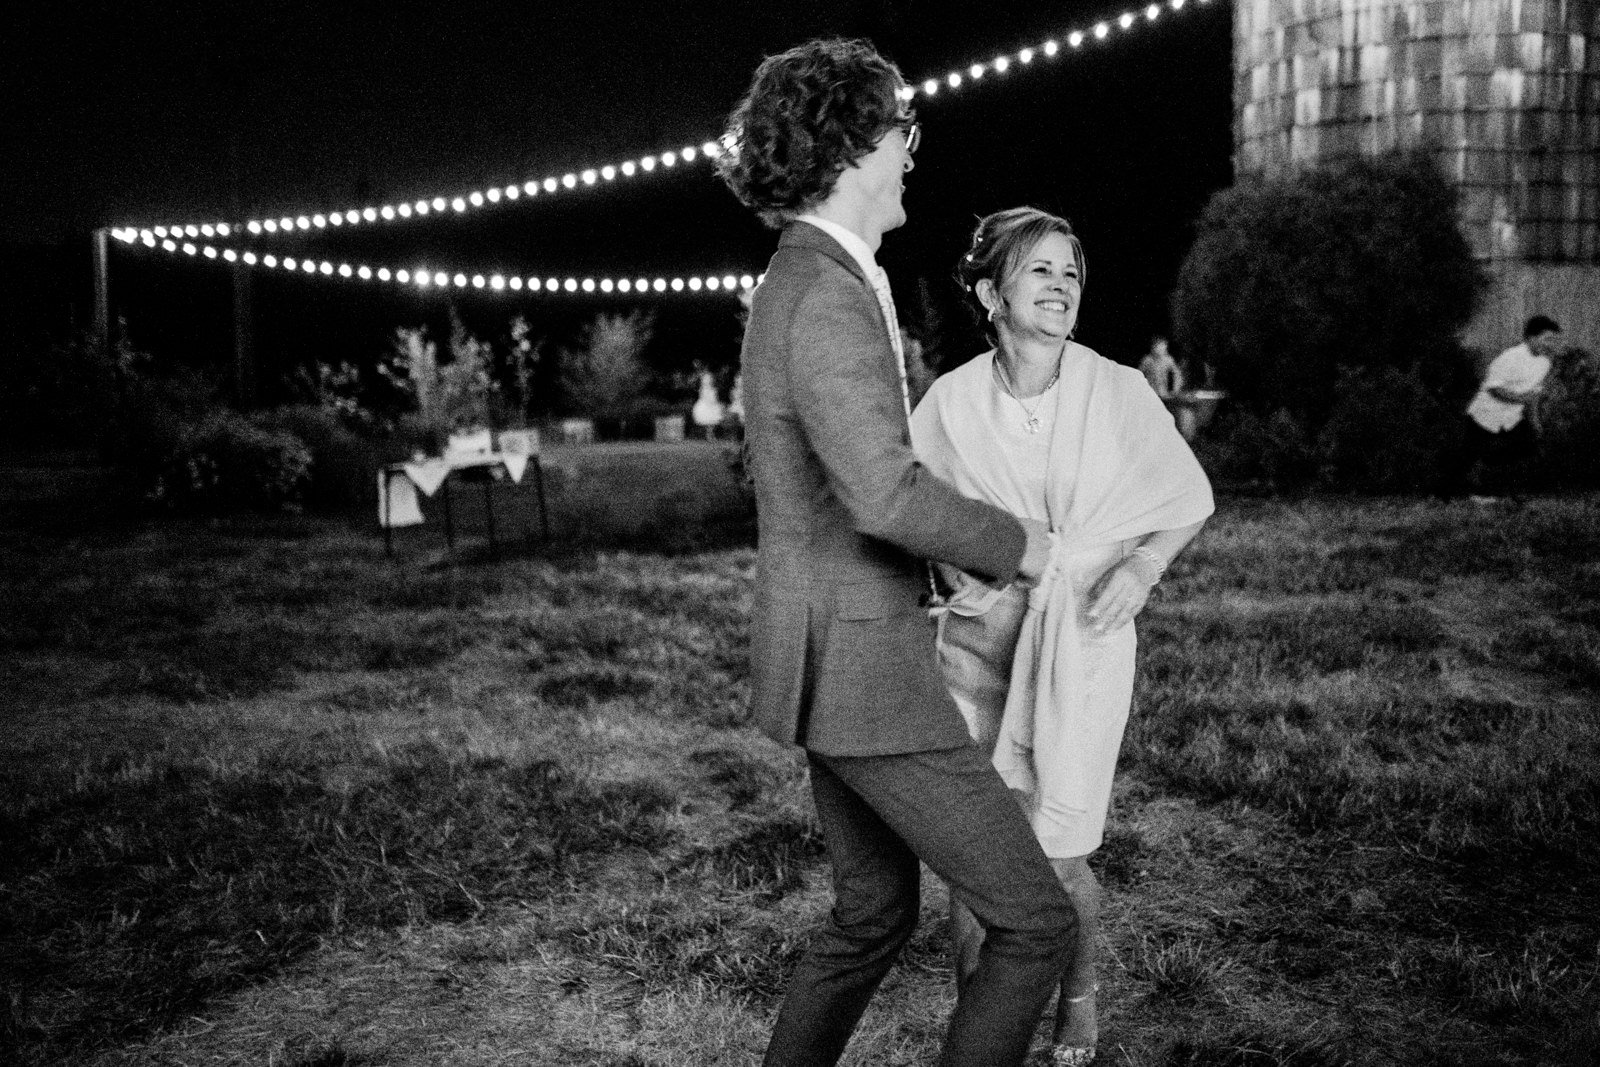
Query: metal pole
[
  {"x": 102, "y": 293},
  {"x": 244, "y": 346}
]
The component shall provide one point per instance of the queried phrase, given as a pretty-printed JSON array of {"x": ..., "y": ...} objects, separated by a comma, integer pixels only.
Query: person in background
[
  {"x": 1502, "y": 419},
  {"x": 1161, "y": 370},
  {"x": 842, "y": 654},
  {"x": 1049, "y": 430}
]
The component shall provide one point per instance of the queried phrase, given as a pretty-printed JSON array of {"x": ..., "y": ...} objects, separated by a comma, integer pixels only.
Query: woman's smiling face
[{"x": 1041, "y": 297}]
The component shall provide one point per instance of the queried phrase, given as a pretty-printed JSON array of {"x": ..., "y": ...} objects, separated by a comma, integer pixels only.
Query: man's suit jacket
[{"x": 842, "y": 648}]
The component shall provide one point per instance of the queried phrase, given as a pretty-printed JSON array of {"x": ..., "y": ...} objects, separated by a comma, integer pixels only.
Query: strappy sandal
[{"x": 1074, "y": 1055}]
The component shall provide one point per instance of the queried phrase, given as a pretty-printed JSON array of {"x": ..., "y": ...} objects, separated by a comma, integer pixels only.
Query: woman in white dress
[{"x": 1048, "y": 429}]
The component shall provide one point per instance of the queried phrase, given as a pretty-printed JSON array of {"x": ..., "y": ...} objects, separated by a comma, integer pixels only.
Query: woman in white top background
[{"x": 1048, "y": 429}]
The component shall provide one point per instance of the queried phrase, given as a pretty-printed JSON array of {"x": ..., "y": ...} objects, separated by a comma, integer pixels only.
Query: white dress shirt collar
[{"x": 852, "y": 243}]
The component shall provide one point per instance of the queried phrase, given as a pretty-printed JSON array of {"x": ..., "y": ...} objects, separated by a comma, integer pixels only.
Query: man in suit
[{"x": 842, "y": 649}]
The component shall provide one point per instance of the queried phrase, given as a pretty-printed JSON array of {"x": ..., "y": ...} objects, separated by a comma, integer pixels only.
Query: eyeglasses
[{"x": 913, "y": 132}]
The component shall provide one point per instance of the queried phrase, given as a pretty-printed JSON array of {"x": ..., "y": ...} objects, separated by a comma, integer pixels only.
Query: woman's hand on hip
[{"x": 1116, "y": 599}]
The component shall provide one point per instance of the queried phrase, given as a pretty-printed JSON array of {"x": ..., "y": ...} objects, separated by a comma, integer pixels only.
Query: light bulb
[{"x": 930, "y": 87}]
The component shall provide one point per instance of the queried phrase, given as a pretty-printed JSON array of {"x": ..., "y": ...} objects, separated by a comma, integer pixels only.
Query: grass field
[{"x": 269, "y": 798}]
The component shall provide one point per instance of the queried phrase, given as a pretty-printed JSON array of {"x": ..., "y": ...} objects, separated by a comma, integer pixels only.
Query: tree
[
  {"x": 1359, "y": 264},
  {"x": 605, "y": 374}
]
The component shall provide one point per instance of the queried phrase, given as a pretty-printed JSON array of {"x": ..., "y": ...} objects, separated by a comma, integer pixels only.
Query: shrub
[
  {"x": 1388, "y": 432},
  {"x": 227, "y": 463},
  {"x": 604, "y": 377},
  {"x": 447, "y": 396},
  {"x": 1357, "y": 264},
  {"x": 1569, "y": 420},
  {"x": 343, "y": 463},
  {"x": 1242, "y": 448}
]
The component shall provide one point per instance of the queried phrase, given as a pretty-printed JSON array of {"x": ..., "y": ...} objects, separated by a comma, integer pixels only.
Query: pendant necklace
[{"x": 1033, "y": 423}]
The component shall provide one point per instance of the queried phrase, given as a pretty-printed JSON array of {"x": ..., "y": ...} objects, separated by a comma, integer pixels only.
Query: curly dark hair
[
  {"x": 999, "y": 245},
  {"x": 810, "y": 112}
]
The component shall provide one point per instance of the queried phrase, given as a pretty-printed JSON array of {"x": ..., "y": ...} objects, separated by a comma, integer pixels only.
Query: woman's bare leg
[{"x": 1076, "y": 1024}]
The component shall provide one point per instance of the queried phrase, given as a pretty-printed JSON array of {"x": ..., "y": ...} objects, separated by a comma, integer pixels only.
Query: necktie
[{"x": 880, "y": 286}]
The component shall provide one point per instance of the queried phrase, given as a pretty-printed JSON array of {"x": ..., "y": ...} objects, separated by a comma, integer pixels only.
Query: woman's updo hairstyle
[{"x": 1000, "y": 244}]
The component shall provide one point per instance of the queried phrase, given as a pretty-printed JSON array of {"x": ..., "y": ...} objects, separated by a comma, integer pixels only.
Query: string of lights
[
  {"x": 598, "y": 176},
  {"x": 426, "y": 277}
]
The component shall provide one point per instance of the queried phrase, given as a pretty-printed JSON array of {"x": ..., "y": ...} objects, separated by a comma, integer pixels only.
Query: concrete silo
[{"x": 1505, "y": 94}]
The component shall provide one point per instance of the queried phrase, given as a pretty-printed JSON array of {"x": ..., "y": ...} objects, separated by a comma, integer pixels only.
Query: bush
[
  {"x": 343, "y": 463},
  {"x": 1388, "y": 432},
  {"x": 1569, "y": 420},
  {"x": 604, "y": 377},
  {"x": 1242, "y": 449},
  {"x": 227, "y": 463},
  {"x": 1289, "y": 279}
]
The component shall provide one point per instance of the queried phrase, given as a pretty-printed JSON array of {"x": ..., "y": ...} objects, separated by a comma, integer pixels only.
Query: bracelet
[{"x": 1153, "y": 558}]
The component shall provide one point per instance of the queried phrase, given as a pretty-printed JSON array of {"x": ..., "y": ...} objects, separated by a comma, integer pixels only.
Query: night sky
[{"x": 219, "y": 110}]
